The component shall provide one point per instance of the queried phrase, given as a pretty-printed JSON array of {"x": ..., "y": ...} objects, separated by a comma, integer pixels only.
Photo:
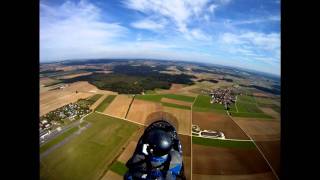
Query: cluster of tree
[
  {"x": 210, "y": 80},
  {"x": 127, "y": 79},
  {"x": 264, "y": 89}
]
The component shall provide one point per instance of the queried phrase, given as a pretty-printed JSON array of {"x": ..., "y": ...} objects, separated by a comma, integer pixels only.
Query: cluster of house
[
  {"x": 51, "y": 122},
  {"x": 223, "y": 96},
  {"x": 197, "y": 131}
]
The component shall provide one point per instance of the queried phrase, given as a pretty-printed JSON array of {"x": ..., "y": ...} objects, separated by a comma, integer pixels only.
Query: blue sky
[{"x": 240, "y": 33}]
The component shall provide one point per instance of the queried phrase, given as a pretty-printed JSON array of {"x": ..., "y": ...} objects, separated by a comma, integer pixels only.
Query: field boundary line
[
  {"x": 236, "y": 103},
  {"x": 191, "y": 153},
  {"x": 130, "y": 121},
  {"x": 129, "y": 106},
  {"x": 273, "y": 171}
]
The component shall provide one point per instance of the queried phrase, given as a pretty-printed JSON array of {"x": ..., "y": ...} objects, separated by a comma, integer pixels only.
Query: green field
[
  {"x": 203, "y": 104},
  {"x": 105, "y": 103},
  {"x": 247, "y": 99},
  {"x": 57, "y": 139},
  {"x": 222, "y": 143},
  {"x": 94, "y": 98},
  {"x": 158, "y": 97},
  {"x": 247, "y": 107},
  {"x": 119, "y": 168},
  {"x": 89, "y": 154}
]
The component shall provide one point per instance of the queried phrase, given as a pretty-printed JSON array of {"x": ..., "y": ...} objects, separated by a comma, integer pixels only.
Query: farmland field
[
  {"x": 90, "y": 153},
  {"x": 218, "y": 122},
  {"x": 202, "y": 104},
  {"x": 260, "y": 129},
  {"x": 141, "y": 110},
  {"x": 119, "y": 106},
  {"x": 227, "y": 161},
  {"x": 222, "y": 143},
  {"x": 246, "y": 106},
  {"x": 105, "y": 103}
]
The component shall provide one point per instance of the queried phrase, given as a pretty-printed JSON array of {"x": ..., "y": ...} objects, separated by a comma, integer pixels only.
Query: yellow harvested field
[
  {"x": 119, "y": 106},
  {"x": 75, "y": 75},
  {"x": 260, "y": 130},
  {"x": 112, "y": 175},
  {"x": 174, "y": 101},
  {"x": 53, "y": 99},
  {"x": 184, "y": 119},
  {"x": 140, "y": 111}
]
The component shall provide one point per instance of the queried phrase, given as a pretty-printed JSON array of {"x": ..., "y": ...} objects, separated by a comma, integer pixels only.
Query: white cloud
[
  {"x": 212, "y": 7},
  {"x": 181, "y": 13},
  {"x": 260, "y": 40},
  {"x": 149, "y": 24},
  {"x": 73, "y": 28},
  {"x": 256, "y": 20}
]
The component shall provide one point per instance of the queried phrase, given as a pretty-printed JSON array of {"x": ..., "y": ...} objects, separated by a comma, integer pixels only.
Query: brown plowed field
[
  {"x": 227, "y": 161},
  {"x": 119, "y": 106},
  {"x": 186, "y": 152},
  {"x": 218, "y": 122},
  {"x": 260, "y": 176},
  {"x": 271, "y": 112},
  {"x": 271, "y": 150},
  {"x": 260, "y": 130}
]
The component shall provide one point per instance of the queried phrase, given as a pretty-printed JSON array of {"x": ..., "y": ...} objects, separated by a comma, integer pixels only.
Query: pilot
[{"x": 158, "y": 156}]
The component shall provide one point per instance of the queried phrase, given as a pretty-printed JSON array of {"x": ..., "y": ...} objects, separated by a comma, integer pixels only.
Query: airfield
[{"x": 99, "y": 145}]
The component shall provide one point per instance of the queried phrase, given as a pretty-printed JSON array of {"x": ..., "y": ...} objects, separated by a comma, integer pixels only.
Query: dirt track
[{"x": 218, "y": 122}]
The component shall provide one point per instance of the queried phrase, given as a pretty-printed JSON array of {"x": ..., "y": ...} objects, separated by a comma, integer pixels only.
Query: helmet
[{"x": 160, "y": 142}]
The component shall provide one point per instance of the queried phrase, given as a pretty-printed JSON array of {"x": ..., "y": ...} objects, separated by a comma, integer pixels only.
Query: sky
[{"x": 238, "y": 33}]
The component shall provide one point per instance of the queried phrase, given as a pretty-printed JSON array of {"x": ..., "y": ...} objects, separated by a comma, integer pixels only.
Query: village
[
  {"x": 223, "y": 96},
  {"x": 53, "y": 122}
]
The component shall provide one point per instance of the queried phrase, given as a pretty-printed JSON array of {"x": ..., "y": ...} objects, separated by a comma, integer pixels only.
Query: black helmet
[{"x": 160, "y": 142}]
